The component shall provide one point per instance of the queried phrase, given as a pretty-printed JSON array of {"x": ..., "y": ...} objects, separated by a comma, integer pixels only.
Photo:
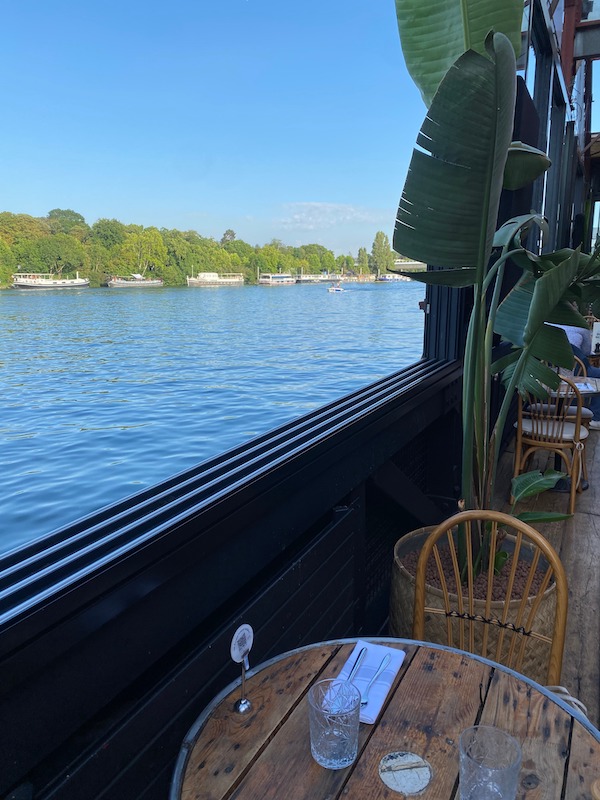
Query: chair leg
[{"x": 575, "y": 481}]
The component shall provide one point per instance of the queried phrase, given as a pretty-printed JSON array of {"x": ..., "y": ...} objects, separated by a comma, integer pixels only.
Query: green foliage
[
  {"x": 434, "y": 36},
  {"x": 108, "y": 232},
  {"x": 17, "y": 228},
  {"x": 63, "y": 241},
  {"x": 382, "y": 257},
  {"x": 228, "y": 236},
  {"x": 363, "y": 260},
  {"x": 64, "y": 220},
  {"x": 7, "y": 264},
  {"x": 449, "y": 208}
]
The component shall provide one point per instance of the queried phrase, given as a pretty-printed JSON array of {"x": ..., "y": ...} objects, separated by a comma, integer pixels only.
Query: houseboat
[
  {"x": 46, "y": 280},
  {"x": 134, "y": 281},
  {"x": 276, "y": 279},
  {"x": 214, "y": 279}
]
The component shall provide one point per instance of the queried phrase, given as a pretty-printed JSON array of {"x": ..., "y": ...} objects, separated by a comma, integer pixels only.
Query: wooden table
[{"x": 438, "y": 692}]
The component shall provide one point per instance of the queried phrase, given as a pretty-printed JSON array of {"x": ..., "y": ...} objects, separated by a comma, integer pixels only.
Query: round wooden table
[{"x": 438, "y": 692}]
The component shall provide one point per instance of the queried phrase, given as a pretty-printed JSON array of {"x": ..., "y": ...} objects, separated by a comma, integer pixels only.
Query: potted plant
[{"x": 447, "y": 217}]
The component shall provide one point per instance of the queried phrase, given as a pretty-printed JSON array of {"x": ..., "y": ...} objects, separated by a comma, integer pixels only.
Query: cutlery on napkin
[{"x": 370, "y": 663}]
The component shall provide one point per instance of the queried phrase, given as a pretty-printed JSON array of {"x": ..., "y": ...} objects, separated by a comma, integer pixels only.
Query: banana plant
[{"x": 462, "y": 57}]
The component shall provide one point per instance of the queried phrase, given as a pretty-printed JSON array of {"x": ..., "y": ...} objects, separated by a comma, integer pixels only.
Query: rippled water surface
[{"x": 104, "y": 392}]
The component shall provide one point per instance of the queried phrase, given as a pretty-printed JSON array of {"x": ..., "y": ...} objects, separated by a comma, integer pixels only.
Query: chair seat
[
  {"x": 542, "y": 429},
  {"x": 545, "y": 408}
]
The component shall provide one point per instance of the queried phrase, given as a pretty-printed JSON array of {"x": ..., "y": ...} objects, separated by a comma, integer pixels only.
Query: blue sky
[{"x": 293, "y": 121}]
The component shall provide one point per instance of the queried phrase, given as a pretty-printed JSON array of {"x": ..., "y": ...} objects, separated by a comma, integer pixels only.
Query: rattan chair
[
  {"x": 555, "y": 426},
  {"x": 524, "y": 632}
]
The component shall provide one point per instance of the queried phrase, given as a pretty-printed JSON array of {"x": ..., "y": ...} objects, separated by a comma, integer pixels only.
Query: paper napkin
[{"x": 379, "y": 690}]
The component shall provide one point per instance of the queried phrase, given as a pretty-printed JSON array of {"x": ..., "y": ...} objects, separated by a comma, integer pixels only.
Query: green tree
[
  {"x": 7, "y": 264},
  {"x": 99, "y": 262},
  {"x": 345, "y": 263},
  {"x": 108, "y": 232},
  {"x": 363, "y": 260},
  {"x": 142, "y": 251},
  {"x": 382, "y": 257},
  {"x": 59, "y": 253},
  {"x": 64, "y": 220},
  {"x": 228, "y": 236},
  {"x": 241, "y": 249},
  {"x": 17, "y": 228}
]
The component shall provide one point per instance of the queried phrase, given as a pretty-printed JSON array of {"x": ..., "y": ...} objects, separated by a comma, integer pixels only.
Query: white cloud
[{"x": 319, "y": 216}]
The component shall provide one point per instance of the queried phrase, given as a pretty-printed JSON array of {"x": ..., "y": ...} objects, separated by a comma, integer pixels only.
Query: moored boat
[
  {"x": 46, "y": 280},
  {"x": 276, "y": 279},
  {"x": 135, "y": 280},
  {"x": 214, "y": 279}
]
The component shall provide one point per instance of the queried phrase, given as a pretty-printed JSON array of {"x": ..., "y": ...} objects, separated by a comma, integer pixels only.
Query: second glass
[{"x": 490, "y": 762}]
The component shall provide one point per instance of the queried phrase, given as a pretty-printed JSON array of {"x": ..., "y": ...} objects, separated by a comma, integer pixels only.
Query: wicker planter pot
[{"x": 402, "y": 593}]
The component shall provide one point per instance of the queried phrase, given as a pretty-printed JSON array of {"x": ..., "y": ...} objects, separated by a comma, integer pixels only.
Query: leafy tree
[
  {"x": 108, "y": 232},
  {"x": 142, "y": 251},
  {"x": 228, "y": 236},
  {"x": 382, "y": 257},
  {"x": 363, "y": 260},
  {"x": 345, "y": 263},
  {"x": 59, "y": 253},
  {"x": 328, "y": 261},
  {"x": 7, "y": 264},
  {"x": 99, "y": 263},
  {"x": 17, "y": 228},
  {"x": 242, "y": 249},
  {"x": 64, "y": 220}
]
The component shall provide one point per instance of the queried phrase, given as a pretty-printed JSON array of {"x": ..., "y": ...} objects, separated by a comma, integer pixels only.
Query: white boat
[
  {"x": 214, "y": 279},
  {"x": 335, "y": 288},
  {"x": 276, "y": 279},
  {"x": 135, "y": 280},
  {"x": 46, "y": 280}
]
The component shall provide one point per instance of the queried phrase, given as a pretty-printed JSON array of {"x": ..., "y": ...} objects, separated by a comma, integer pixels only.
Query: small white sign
[
  {"x": 241, "y": 644},
  {"x": 596, "y": 339}
]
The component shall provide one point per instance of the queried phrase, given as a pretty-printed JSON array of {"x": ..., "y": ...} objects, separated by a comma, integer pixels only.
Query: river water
[{"x": 104, "y": 392}]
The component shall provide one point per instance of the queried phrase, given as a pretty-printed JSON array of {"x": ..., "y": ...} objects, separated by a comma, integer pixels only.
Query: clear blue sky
[{"x": 282, "y": 120}]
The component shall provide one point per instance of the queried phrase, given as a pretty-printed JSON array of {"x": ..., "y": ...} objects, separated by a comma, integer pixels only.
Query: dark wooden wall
[{"x": 115, "y": 632}]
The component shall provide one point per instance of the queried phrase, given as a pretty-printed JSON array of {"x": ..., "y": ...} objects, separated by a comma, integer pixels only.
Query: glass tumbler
[
  {"x": 333, "y": 714},
  {"x": 490, "y": 762}
]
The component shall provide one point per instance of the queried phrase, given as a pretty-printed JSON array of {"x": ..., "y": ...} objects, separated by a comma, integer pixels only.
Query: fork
[{"x": 385, "y": 661}]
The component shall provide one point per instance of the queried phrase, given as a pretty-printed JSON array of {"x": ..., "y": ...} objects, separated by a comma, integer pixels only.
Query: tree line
[{"x": 63, "y": 243}]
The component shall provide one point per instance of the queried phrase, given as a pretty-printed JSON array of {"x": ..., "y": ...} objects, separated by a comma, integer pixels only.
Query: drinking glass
[
  {"x": 490, "y": 761},
  {"x": 333, "y": 714}
]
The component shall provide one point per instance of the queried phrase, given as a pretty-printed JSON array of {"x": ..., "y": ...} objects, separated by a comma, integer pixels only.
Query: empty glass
[
  {"x": 333, "y": 714},
  {"x": 490, "y": 762}
]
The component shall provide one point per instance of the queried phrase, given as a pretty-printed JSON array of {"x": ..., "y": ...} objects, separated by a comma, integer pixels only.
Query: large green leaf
[
  {"x": 529, "y": 484},
  {"x": 523, "y": 165},
  {"x": 517, "y": 228},
  {"x": 449, "y": 205},
  {"x": 530, "y": 304},
  {"x": 434, "y": 35}
]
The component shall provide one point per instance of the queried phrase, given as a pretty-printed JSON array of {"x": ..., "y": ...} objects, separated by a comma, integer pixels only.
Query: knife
[{"x": 356, "y": 666}]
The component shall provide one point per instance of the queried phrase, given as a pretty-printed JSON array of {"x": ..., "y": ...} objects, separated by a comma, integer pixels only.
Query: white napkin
[{"x": 379, "y": 690}]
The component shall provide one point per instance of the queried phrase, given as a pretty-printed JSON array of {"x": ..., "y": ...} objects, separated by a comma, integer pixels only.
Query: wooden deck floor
[{"x": 578, "y": 543}]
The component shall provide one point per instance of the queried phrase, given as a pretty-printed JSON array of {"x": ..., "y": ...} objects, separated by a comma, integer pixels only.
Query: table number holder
[{"x": 241, "y": 644}]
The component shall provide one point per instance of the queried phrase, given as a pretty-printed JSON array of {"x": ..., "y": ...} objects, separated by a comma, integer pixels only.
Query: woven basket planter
[{"x": 402, "y": 593}]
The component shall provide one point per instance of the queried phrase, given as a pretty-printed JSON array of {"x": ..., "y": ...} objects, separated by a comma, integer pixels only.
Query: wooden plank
[
  {"x": 231, "y": 741},
  {"x": 541, "y": 727},
  {"x": 284, "y": 768},
  {"x": 438, "y": 697},
  {"x": 577, "y": 542},
  {"x": 584, "y": 764}
]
